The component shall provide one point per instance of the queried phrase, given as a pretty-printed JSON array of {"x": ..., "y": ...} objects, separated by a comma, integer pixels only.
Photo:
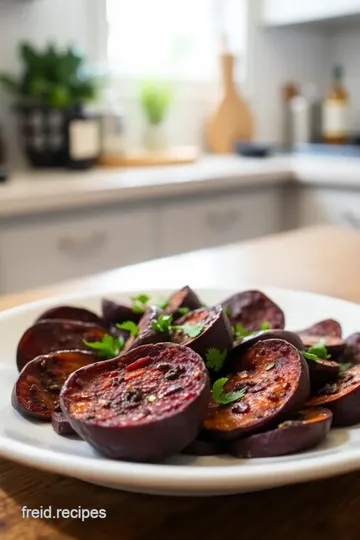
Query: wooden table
[{"x": 324, "y": 260}]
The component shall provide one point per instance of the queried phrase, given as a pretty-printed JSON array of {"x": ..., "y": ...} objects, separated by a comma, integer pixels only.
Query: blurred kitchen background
[{"x": 137, "y": 129}]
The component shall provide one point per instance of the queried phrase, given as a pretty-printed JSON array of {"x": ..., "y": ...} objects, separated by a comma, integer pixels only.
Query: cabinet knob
[{"x": 82, "y": 245}]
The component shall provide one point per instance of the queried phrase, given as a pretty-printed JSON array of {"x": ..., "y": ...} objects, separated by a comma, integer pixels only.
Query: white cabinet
[
  {"x": 199, "y": 223},
  {"x": 54, "y": 249},
  {"x": 284, "y": 12},
  {"x": 329, "y": 206}
]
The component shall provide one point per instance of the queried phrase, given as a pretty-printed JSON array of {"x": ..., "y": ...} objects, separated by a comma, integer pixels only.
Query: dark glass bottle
[{"x": 82, "y": 139}]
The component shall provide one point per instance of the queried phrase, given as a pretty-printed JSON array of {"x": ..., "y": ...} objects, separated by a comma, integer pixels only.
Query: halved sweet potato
[
  {"x": 55, "y": 335},
  {"x": 307, "y": 429},
  {"x": 352, "y": 349},
  {"x": 145, "y": 405},
  {"x": 342, "y": 397},
  {"x": 322, "y": 371},
  {"x": 251, "y": 308},
  {"x": 36, "y": 392},
  {"x": 275, "y": 379},
  {"x": 113, "y": 313},
  {"x": 60, "y": 425},
  {"x": 201, "y": 447},
  {"x": 146, "y": 334},
  {"x": 215, "y": 330},
  {"x": 71, "y": 313},
  {"x": 183, "y": 298},
  {"x": 328, "y": 327}
]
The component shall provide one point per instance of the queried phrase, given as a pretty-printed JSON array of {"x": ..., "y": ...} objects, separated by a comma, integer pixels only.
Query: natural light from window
[{"x": 172, "y": 39}]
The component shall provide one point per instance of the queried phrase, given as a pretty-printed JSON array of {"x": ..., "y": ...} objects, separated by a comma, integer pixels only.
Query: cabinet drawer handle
[
  {"x": 221, "y": 222},
  {"x": 81, "y": 246},
  {"x": 351, "y": 219}
]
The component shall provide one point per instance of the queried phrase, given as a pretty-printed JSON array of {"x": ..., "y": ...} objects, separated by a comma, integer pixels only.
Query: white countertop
[{"x": 40, "y": 191}]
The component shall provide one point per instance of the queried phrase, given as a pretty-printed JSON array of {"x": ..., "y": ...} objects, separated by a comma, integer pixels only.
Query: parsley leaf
[
  {"x": 183, "y": 310},
  {"x": 310, "y": 356},
  {"x": 270, "y": 366},
  {"x": 265, "y": 325},
  {"x": 344, "y": 366},
  {"x": 240, "y": 332},
  {"x": 190, "y": 330},
  {"x": 130, "y": 326},
  {"x": 319, "y": 350},
  {"x": 163, "y": 323},
  {"x": 224, "y": 399},
  {"x": 109, "y": 347},
  {"x": 215, "y": 358},
  {"x": 139, "y": 303}
]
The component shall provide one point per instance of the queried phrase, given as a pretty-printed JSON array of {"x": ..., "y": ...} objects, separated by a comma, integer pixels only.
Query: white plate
[{"x": 36, "y": 445}]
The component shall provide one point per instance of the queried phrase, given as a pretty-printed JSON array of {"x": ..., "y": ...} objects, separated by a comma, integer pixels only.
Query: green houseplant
[
  {"x": 155, "y": 100},
  {"x": 53, "y": 85}
]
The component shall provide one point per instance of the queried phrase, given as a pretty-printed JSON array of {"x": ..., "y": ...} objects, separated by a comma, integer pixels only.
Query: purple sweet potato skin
[
  {"x": 55, "y": 335},
  {"x": 288, "y": 438},
  {"x": 145, "y": 440},
  {"x": 251, "y": 308},
  {"x": 271, "y": 394},
  {"x": 60, "y": 425},
  {"x": 352, "y": 349},
  {"x": 113, "y": 313},
  {"x": 327, "y": 327},
  {"x": 205, "y": 448},
  {"x": 71, "y": 313},
  {"x": 216, "y": 334},
  {"x": 342, "y": 398},
  {"x": 146, "y": 334},
  {"x": 322, "y": 372},
  {"x": 183, "y": 298},
  {"x": 335, "y": 345}
]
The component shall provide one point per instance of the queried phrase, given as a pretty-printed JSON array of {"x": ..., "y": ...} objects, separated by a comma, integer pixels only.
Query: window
[{"x": 173, "y": 39}]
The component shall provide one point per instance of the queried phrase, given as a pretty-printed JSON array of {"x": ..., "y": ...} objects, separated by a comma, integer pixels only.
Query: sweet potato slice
[
  {"x": 71, "y": 313},
  {"x": 251, "y": 308}
]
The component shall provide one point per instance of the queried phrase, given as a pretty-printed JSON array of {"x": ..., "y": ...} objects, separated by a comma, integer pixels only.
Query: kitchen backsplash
[{"x": 274, "y": 56}]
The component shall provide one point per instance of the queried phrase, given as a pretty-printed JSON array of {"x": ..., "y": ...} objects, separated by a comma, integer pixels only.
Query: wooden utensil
[
  {"x": 232, "y": 119},
  {"x": 180, "y": 155}
]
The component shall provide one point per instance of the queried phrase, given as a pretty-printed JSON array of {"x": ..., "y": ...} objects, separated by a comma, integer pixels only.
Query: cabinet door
[
  {"x": 330, "y": 206},
  {"x": 36, "y": 254},
  {"x": 198, "y": 223},
  {"x": 283, "y": 12}
]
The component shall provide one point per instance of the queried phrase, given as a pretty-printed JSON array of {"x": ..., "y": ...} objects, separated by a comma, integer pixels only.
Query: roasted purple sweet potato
[
  {"x": 342, "y": 397},
  {"x": 60, "y": 425},
  {"x": 36, "y": 392},
  {"x": 143, "y": 406},
  {"x": 322, "y": 371},
  {"x": 275, "y": 379},
  {"x": 113, "y": 313},
  {"x": 251, "y": 308},
  {"x": 183, "y": 299},
  {"x": 352, "y": 349},
  {"x": 201, "y": 447},
  {"x": 328, "y": 327},
  {"x": 71, "y": 313},
  {"x": 213, "y": 328},
  {"x": 307, "y": 429},
  {"x": 335, "y": 346},
  {"x": 55, "y": 335},
  {"x": 146, "y": 333}
]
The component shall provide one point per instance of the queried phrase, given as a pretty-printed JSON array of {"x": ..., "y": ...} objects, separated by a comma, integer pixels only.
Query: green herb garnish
[
  {"x": 317, "y": 352},
  {"x": 220, "y": 397},
  {"x": 139, "y": 303},
  {"x": 265, "y": 325},
  {"x": 310, "y": 356},
  {"x": 183, "y": 310},
  {"x": 227, "y": 312},
  {"x": 163, "y": 304},
  {"x": 215, "y": 358},
  {"x": 109, "y": 347},
  {"x": 270, "y": 366},
  {"x": 162, "y": 324},
  {"x": 190, "y": 330},
  {"x": 130, "y": 326},
  {"x": 240, "y": 332},
  {"x": 344, "y": 366}
]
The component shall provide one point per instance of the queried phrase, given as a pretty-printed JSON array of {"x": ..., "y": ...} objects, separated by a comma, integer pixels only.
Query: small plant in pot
[
  {"x": 50, "y": 92},
  {"x": 155, "y": 99}
]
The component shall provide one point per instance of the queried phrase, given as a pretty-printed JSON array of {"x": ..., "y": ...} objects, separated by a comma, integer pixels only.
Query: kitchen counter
[
  {"x": 40, "y": 191},
  {"x": 285, "y": 512}
]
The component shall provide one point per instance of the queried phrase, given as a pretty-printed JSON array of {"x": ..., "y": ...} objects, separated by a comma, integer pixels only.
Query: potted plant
[
  {"x": 51, "y": 89},
  {"x": 155, "y": 99}
]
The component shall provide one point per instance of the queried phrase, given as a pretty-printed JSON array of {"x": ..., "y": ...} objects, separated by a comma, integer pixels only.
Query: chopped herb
[
  {"x": 329, "y": 389},
  {"x": 220, "y": 397},
  {"x": 139, "y": 303},
  {"x": 109, "y": 347},
  {"x": 191, "y": 330},
  {"x": 130, "y": 326},
  {"x": 344, "y": 366},
  {"x": 215, "y": 358},
  {"x": 163, "y": 304},
  {"x": 265, "y": 325},
  {"x": 162, "y": 324},
  {"x": 270, "y": 366},
  {"x": 240, "y": 332},
  {"x": 319, "y": 350},
  {"x": 183, "y": 310},
  {"x": 310, "y": 356},
  {"x": 227, "y": 312}
]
